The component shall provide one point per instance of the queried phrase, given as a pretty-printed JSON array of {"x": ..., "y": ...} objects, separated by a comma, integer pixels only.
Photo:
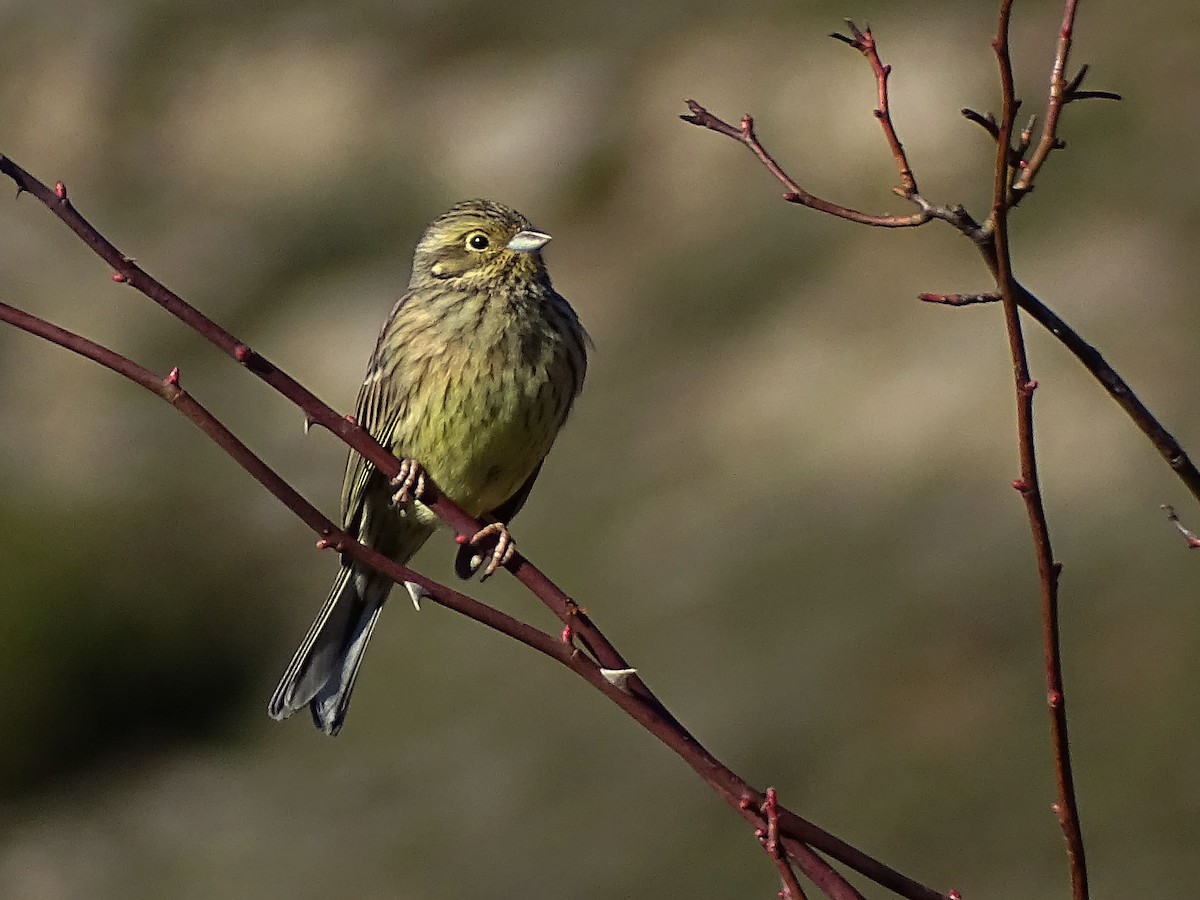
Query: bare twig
[
  {"x": 774, "y": 847},
  {"x": 795, "y": 193},
  {"x": 796, "y": 833},
  {"x": 987, "y": 123},
  {"x": 1066, "y": 808},
  {"x": 959, "y": 299},
  {"x": 1192, "y": 541},
  {"x": 1062, "y": 92},
  {"x": 864, "y": 42},
  {"x": 1164, "y": 442}
]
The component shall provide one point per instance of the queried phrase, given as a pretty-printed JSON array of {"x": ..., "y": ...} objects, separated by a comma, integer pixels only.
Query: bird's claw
[
  {"x": 501, "y": 553},
  {"x": 409, "y": 483}
]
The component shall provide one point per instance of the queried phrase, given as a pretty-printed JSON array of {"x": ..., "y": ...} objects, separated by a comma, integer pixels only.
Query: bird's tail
[{"x": 322, "y": 673}]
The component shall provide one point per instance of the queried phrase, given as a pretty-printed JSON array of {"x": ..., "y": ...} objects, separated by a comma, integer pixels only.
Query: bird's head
[{"x": 478, "y": 244}]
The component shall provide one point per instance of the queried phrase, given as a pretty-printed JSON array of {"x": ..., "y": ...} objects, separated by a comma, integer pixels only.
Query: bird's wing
[{"x": 377, "y": 411}]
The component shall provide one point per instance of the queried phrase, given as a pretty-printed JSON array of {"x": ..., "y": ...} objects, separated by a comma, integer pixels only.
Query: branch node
[
  {"x": 241, "y": 353},
  {"x": 173, "y": 377},
  {"x": 568, "y": 634},
  {"x": 60, "y": 190},
  {"x": 119, "y": 278},
  {"x": 1054, "y": 699},
  {"x": 1021, "y": 485}
]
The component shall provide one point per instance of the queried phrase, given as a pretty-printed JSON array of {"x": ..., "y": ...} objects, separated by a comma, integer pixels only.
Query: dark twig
[
  {"x": 1066, "y": 808},
  {"x": 959, "y": 299},
  {"x": 1192, "y": 541},
  {"x": 987, "y": 123},
  {"x": 630, "y": 693}
]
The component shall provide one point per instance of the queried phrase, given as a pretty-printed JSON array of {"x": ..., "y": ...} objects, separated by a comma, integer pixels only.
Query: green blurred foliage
[{"x": 785, "y": 493}]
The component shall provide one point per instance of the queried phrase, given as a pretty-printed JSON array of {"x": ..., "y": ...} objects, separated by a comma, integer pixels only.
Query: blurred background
[{"x": 785, "y": 493}]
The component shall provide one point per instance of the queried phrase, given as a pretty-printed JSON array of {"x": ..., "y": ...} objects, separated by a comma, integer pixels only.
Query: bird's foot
[
  {"x": 499, "y": 554},
  {"x": 409, "y": 483}
]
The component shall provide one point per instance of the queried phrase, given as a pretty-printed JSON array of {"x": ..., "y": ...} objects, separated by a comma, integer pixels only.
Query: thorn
[
  {"x": 1030, "y": 386},
  {"x": 618, "y": 677},
  {"x": 60, "y": 190},
  {"x": 417, "y": 593},
  {"x": 1056, "y": 569},
  {"x": 308, "y": 422},
  {"x": 173, "y": 377},
  {"x": 119, "y": 278}
]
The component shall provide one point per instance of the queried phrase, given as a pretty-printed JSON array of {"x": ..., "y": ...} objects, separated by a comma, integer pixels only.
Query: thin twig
[
  {"x": 774, "y": 847},
  {"x": 1062, "y": 92},
  {"x": 1192, "y": 541},
  {"x": 864, "y": 42},
  {"x": 744, "y": 134},
  {"x": 1066, "y": 808},
  {"x": 959, "y": 299}
]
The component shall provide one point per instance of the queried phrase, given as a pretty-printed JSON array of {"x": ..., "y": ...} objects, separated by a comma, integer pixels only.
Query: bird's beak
[{"x": 527, "y": 242}]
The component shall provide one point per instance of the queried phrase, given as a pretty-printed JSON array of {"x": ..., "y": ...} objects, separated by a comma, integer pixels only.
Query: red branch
[
  {"x": 864, "y": 42},
  {"x": 1066, "y": 808}
]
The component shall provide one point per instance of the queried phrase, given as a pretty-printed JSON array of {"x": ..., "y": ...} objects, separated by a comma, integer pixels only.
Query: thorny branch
[{"x": 608, "y": 671}]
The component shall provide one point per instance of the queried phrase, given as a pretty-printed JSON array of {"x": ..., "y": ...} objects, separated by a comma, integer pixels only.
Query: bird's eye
[{"x": 478, "y": 241}]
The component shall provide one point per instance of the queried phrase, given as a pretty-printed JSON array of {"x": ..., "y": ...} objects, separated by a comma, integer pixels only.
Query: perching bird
[{"x": 472, "y": 376}]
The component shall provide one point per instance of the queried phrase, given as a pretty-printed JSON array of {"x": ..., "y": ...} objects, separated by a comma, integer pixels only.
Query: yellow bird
[{"x": 473, "y": 375}]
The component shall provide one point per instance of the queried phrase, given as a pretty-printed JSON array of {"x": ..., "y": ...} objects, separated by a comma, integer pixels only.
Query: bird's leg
[
  {"x": 409, "y": 483},
  {"x": 500, "y": 554}
]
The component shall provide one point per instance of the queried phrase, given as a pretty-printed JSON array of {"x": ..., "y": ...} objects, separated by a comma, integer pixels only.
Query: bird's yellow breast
[{"x": 488, "y": 406}]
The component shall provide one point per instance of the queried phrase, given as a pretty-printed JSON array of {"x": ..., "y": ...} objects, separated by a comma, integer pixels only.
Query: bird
[{"x": 474, "y": 372}]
